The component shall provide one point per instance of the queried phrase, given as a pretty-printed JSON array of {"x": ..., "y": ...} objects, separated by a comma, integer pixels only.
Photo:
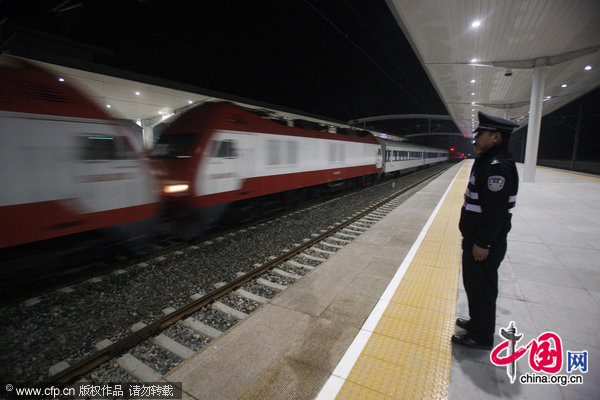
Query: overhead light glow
[
  {"x": 563, "y": 85},
  {"x": 175, "y": 188},
  {"x": 587, "y": 68},
  {"x": 137, "y": 93},
  {"x": 190, "y": 102},
  {"x": 476, "y": 24},
  {"x": 474, "y": 60},
  {"x": 61, "y": 79},
  {"x": 108, "y": 106},
  {"x": 473, "y": 94},
  {"x": 473, "y": 81}
]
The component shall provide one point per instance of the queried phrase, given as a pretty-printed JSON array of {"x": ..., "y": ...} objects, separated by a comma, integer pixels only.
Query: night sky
[{"x": 339, "y": 59}]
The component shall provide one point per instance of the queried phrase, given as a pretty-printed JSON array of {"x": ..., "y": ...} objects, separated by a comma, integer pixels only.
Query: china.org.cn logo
[{"x": 545, "y": 358}]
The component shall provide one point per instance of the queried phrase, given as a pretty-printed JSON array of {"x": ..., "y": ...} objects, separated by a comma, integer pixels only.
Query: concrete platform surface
[
  {"x": 548, "y": 282},
  {"x": 293, "y": 347},
  {"x": 289, "y": 347}
]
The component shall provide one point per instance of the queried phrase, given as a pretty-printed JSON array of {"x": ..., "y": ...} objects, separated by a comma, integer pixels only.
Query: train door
[
  {"x": 106, "y": 168},
  {"x": 223, "y": 168}
]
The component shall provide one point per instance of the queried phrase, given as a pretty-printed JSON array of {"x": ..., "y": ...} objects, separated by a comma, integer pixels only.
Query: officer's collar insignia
[{"x": 496, "y": 183}]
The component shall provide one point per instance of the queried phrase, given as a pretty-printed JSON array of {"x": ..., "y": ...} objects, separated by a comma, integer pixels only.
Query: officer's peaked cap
[{"x": 491, "y": 123}]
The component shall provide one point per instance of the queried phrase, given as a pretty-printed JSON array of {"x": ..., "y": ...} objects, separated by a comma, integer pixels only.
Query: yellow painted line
[
  {"x": 570, "y": 174},
  {"x": 403, "y": 351}
]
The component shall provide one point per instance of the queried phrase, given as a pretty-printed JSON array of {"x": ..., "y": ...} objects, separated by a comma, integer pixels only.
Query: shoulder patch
[{"x": 496, "y": 183}]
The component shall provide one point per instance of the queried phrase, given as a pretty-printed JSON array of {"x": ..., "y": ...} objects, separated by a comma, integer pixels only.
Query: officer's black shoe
[
  {"x": 462, "y": 323},
  {"x": 465, "y": 340}
]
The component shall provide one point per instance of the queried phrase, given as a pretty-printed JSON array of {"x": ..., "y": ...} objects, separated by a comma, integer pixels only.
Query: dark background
[{"x": 337, "y": 59}]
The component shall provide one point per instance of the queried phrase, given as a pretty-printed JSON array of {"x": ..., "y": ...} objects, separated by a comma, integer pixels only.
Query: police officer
[{"x": 484, "y": 224}]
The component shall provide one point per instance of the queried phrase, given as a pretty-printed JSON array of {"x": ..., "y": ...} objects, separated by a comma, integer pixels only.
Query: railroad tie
[
  {"x": 299, "y": 265},
  {"x": 285, "y": 273},
  {"x": 138, "y": 369},
  {"x": 270, "y": 284},
  {"x": 201, "y": 328},
  {"x": 166, "y": 343},
  {"x": 251, "y": 296},
  {"x": 314, "y": 258},
  {"x": 230, "y": 311}
]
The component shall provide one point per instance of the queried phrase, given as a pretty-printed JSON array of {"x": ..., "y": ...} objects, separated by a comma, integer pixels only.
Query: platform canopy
[{"x": 482, "y": 54}]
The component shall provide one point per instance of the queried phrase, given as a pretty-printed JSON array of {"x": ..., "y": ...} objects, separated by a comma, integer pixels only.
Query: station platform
[{"x": 375, "y": 320}]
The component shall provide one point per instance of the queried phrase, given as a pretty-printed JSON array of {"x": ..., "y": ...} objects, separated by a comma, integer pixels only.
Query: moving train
[
  {"x": 218, "y": 156},
  {"x": 67, "y": 166}
]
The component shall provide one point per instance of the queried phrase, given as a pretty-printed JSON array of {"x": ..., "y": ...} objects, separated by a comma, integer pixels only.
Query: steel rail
[{"x": 84, "y": 366}]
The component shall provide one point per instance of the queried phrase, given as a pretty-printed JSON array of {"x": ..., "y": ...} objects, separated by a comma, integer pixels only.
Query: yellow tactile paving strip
[
  {"x": 409, "y": 353},
  {"x": 592, "y": 178}
]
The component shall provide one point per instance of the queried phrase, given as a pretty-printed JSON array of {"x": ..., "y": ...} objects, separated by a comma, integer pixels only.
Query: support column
[
  {"x": 148, "y": 133},
  {"x": 576, "y": 139},
  {"x": 535, "y": 119}
]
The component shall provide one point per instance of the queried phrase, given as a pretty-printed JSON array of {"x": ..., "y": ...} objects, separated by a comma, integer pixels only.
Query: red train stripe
[{"x": 49, "y": 219}]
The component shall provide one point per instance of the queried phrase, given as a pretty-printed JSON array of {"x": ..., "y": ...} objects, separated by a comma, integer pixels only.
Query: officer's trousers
[{"x": 480, "y": 279}]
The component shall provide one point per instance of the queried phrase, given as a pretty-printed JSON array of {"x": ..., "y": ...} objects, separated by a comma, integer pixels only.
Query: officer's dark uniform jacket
[{"x": 490, "y": 194}]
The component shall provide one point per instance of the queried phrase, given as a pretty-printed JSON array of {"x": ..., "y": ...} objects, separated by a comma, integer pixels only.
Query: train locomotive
[
  {"x": 217, "y": 155},
  {"x": 67, "y": 166}
]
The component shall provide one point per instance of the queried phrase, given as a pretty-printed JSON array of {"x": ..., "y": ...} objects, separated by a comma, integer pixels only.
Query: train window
[
  {"x": 95, "y": 147},
  {"x": 292, "y": 150},
  {"x": 273, "y": 152},
  {"x": 178, "y": 145},
  {"x": 388, "y": 155},
  {"x": 224, "y": 149},
  {"x": 337, "y": 152}
]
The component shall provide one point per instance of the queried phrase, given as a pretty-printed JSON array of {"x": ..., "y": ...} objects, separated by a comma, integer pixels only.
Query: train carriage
[
  {"x": 67, "y": 166},
  {"x": 217, "y": 154}
]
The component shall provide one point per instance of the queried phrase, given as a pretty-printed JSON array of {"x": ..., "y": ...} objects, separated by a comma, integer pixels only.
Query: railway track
[{"x": 224, "y": 300}]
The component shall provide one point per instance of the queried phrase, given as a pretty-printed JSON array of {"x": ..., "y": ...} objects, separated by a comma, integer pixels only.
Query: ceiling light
[
  {"x": 473, "y": 94},
  {"x": 474, "y": 60},
  {"x": 472, "y": 109},
  {"x": 563, "y": 85},
  {"x": 137, "y": 93},
  {"x": 587, "y": 68},
  {"x": 108, "y": 106},
  {"x": 476, "y": 24},
  {"x": 61, "y": 79},
  {"x": 160, "y": 112},
  {"x": 190, "y": 102},
  {"x": 473, "y": 81}
]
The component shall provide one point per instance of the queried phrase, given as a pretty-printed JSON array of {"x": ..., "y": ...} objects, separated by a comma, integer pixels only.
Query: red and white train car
[
  {"x": 66, "y": 165},
  {"x": 217, "y": 154}
]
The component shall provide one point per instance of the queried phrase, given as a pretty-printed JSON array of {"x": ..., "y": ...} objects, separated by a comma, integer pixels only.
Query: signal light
[{"x": 451, "y": 148}]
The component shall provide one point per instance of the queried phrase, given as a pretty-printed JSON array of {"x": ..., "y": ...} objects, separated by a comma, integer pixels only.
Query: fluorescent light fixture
[
  {"x": 473, "y": 81},
  {"x": 588, "y": 67},
  {"x": 137, "y": 93},
  {"x": 476, "y": 24}
]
